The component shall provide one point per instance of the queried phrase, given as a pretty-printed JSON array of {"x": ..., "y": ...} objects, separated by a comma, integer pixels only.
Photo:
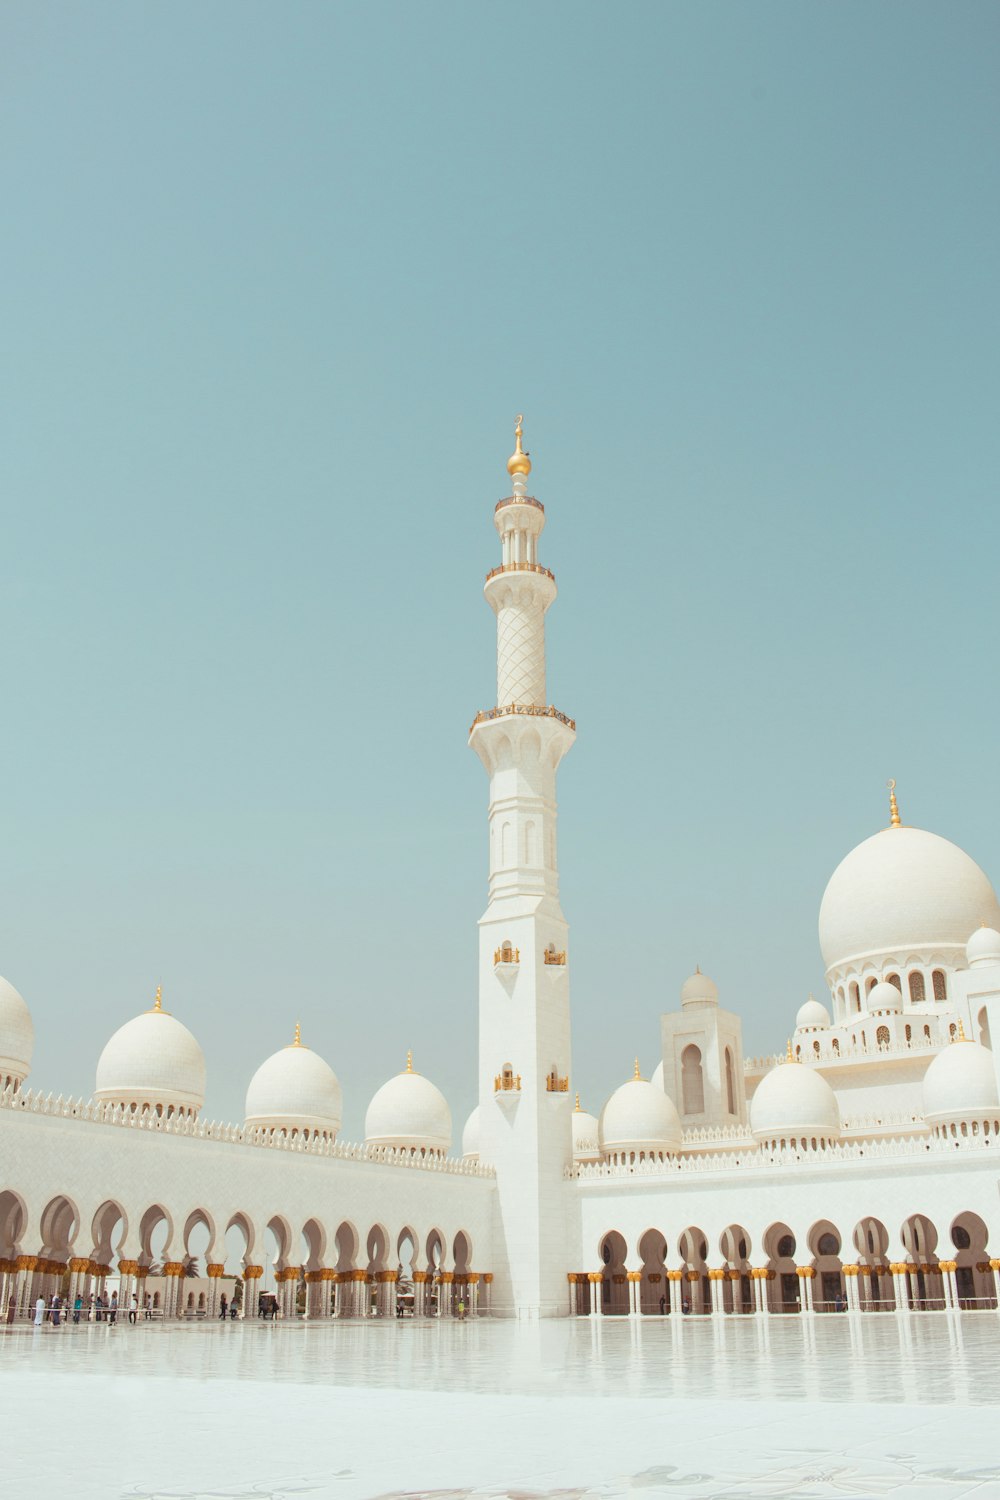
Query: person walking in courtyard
[
  {"x": 223, "y": 1308},
  {"x": 11, "y": 1310},
  {"x": 113, "y": 1309},
  {"x": 39, "y": 1312},
  {"x": 77, "y": 1308},
  {"x": 133, "y": 1309},
  {"x": 232, "y": 1311},
  {"x": 56, "y": 1311}
]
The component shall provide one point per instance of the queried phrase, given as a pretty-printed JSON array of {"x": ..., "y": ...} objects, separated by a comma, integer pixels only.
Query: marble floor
[{"x": 746, "y": 1409}]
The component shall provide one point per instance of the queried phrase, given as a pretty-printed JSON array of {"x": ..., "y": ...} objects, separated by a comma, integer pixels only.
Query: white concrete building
[{"x": 856, "y": 1170}]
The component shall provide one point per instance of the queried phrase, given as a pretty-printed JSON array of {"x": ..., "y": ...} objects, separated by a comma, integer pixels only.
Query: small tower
[
  {"x": 703, "y": 1058},
  {"x": 524, "y": 1028}
]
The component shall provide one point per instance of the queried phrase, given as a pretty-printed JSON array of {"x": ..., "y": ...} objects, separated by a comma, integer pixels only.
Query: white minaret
[{"x": 524, "y": 1031}]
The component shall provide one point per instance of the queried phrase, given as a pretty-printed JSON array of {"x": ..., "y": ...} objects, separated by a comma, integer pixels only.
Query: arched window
[
  {"x": 692, "y": 1081},
  {"x": 882, "y": 1036},
  {"x": 927, "y": 1033},
  {"x": 917, "y": 993},
  {"x": 940, "y": 984},
  {"x": 895, "y": 979},
  {"x": 507, "y": 1074},
  {"x": 984, "y": 1029},
  {"x": 786, "y": 1247},
  {"x": 816, "y": 1048},
  {"x": 953, "y": 1032},
  {"x": 836, "y": 1046},
  {"x": 870, "y": 984},
  {"x": 828, "y": 1244},
  {"x": 730, "y": 1084},
  {"x": 909, "y": 1033},
  {"x": 855, "y": 997}
]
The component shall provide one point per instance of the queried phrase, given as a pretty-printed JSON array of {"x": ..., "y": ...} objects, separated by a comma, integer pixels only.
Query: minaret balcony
[
  {"x": 554, "y": 959},
  {"x": 533, "y": 710},
  {"x": 556, "y": 1085},
  {"x": 507, "y": 1082},
  {"x": 520, "y": 567},
  {"x": 506, "y": 954},
  {"x": 519, "y": 500}
]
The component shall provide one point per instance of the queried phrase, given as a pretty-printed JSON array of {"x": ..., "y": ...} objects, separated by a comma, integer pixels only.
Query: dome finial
[
  {"x": 637, "y": 1076},
  {"x": 519, "y": 462},
  {"x": 158, "y": 1002},
  {"x": 961, "y": 1037},
  {"x": 789, "y": 1054},
  {"x": 578, "y": 1104},
  {"x": 409, "y": 1061},
  {"x": 297, "y": 1039},
  {"x": 893, "y": 805}
]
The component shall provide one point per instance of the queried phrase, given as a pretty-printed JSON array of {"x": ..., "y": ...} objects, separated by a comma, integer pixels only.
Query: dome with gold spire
[
  {"x": 153, "y": 1065},
  {"x": 295, "y": 1093}
]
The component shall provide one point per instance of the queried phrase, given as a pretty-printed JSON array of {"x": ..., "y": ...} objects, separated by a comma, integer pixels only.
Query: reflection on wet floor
[{"x": 926, "y": 1358}]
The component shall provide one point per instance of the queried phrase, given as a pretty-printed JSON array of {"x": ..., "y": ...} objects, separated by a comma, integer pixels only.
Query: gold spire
[
  {"x": 409, "y": 1062},
  {"x": 893, "y": 805},
  {"x": 637, "y": 1076},
  {"x": 578, "y": 1104},
  {"x": 297, "y": 1039},
  {"x": 158, "y": 1002},
  {"x": 961, "y": 1037},
  {"x": 789, "y": 1054},
  {"x": 519, "y": 462}
]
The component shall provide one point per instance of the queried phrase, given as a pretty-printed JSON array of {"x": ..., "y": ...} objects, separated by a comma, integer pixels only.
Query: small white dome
[
  {"x": 409, "y": 1113},
  {"x": 17, "y": 1035},
  {"x": 983, "y": 948},
  {"x": 153, "y": 1060},
  {"x": 961, "y": 1080},
  {"x": 639, "y": 1117},
  {"x": 812, "y": 1016},
  {"x": 295, "y": 1090},
  {"x": 657, "y": 1078},
  {"x": 586, "y": 1135},
  {"x": 699, "y": 990},
  {"x": 902, "y": 890},
  {"x": 794, "y": 1100},
  {"x": 470, "y": 1136},
  {"x": 884, "y": 996}
]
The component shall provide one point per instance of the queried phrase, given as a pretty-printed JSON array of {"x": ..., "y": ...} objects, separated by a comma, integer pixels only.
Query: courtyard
[{"x": 790, "y": 1407}]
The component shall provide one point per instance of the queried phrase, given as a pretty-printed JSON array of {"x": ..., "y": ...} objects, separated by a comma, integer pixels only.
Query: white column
[{"x": 674, "y": 1288}]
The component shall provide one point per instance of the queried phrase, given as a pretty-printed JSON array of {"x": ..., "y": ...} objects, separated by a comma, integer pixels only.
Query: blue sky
[{"x": 276, "y": 280}]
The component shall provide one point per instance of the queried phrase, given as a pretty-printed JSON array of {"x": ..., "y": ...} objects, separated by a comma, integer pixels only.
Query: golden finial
[
  {"x": 637, "y": 1076},
  {"x": 961, "y": 1037},
  {"x": 789, "y": 1054},
  {"x": 578, "y": 1103},
  {"x": 519, "y": 462},
  {"x": 297, "y": 1039},
  {"x": 158, "y": 1002},
  {"x": 409, "y": 1062},
  {"x": 893, "y": 805}
]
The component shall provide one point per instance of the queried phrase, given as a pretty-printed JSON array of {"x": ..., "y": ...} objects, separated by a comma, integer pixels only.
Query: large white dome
[
  {"x": 17, "y": 1036},
  {"x": 960, "y": 1081},
  {"x": 409, "y": 1113},
  {"x": 901, "y": 891},
  {"x": 153, "y": 1062},
  {"x": 794, "y": 1100},
  {"x": 639, "y": 1117},
  {"x": 295, "y": 1090}
]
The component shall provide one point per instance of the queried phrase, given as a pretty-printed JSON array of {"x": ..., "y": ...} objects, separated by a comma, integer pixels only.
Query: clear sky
[{"x": 276, "y": 279}]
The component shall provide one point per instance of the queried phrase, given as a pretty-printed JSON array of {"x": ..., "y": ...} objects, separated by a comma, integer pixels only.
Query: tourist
[
  {"x": 98, "y": 1308},
  {"x": 133, "y": 1309},
  {"x": 56, "y": 1311},
  {"x": 223, "y": 1307},
  {"x": 663, "y": 1305},
  {"x": 77, "y": 1308},
  {"x": 232, "y": 1311},
  {"x": 149, "y": 1306},
  {"x": 113, "y": 1309},
  {"x": 11, "y": 1310},
  {"x": 39, "y": 1312}
]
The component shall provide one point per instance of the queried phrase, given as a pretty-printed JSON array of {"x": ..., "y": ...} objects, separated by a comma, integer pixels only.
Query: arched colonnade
[
  {"x": 928, "y": 1268},
  {"x": 320, "y": 1269}
]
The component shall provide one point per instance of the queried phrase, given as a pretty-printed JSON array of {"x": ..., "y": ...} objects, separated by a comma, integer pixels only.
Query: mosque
[{"x": 856, "y": 1172}]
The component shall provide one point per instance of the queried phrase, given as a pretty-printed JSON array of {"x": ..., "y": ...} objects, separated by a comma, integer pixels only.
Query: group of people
[{"x": 92, "y": 1309}]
